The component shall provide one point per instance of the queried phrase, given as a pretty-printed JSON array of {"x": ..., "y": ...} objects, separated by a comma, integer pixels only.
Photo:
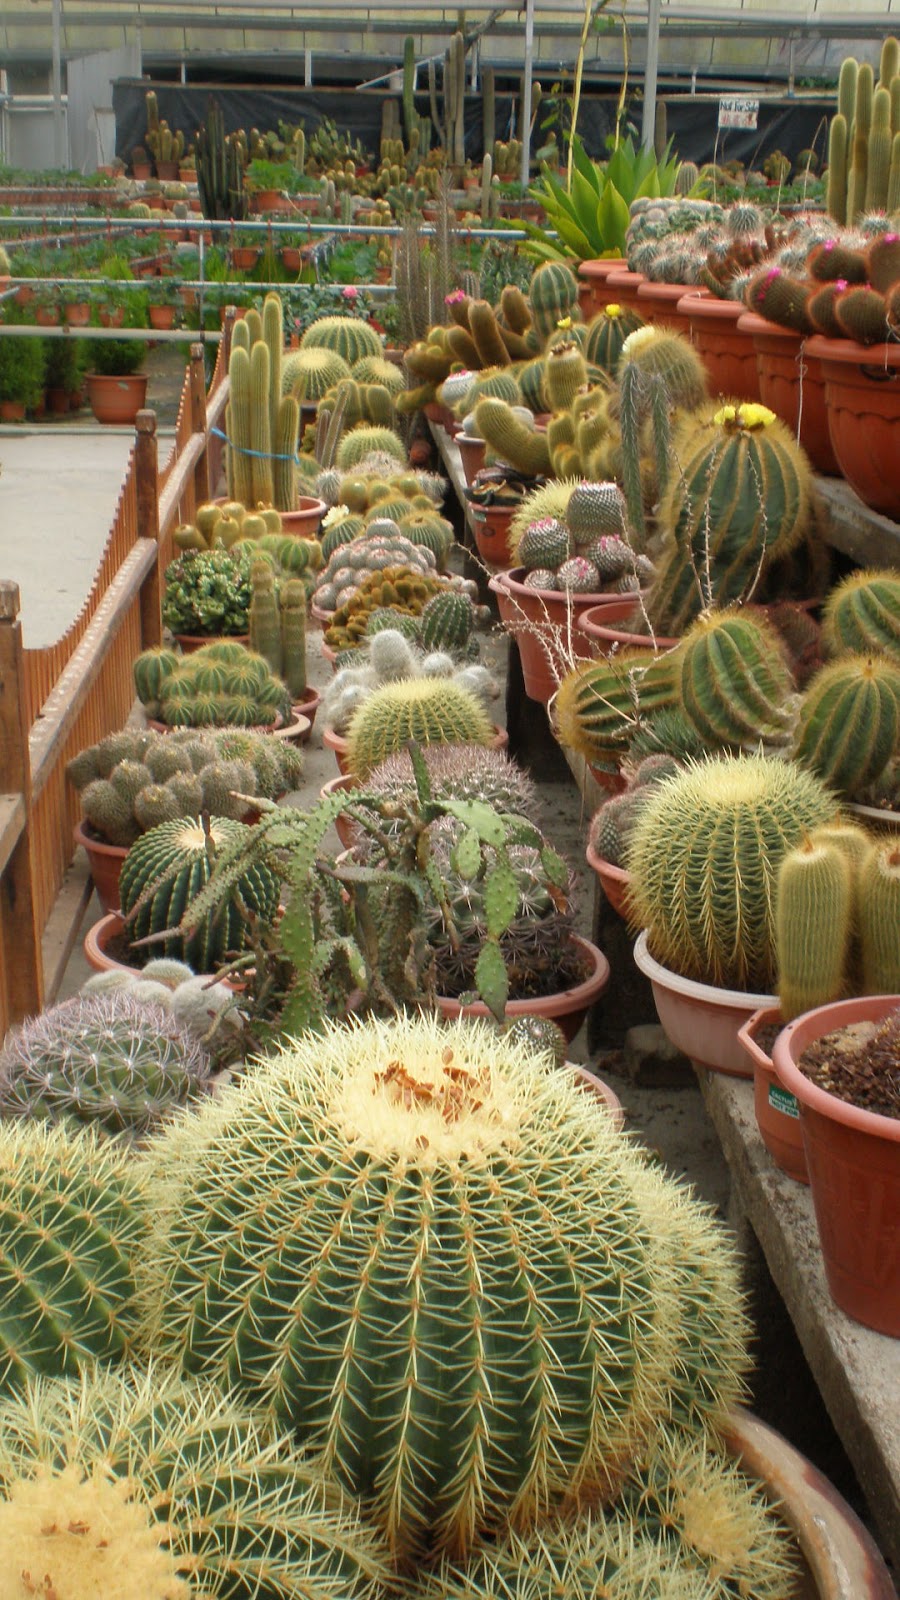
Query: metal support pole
[
  {"x": 648, "y": 123},
  {"x": 526, "y": 93},
  {"x": 59, "y": 156}
]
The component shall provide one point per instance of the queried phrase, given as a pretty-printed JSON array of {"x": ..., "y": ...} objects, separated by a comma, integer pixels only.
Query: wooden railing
[{"x": 55, "y": 701}]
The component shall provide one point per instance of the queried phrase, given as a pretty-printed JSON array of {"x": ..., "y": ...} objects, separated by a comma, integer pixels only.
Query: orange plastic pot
[
  {"x": 614, "y": 881},
  {"x": 568, "y": 1007},
  {"x": 792, "y": 384},
  {"x": 601, "y": 624},
  {"x": 472, "y": 452},
  {"x": 593, "y": 288},
  {"x": 303, "y": 522},
  {"x": 490, "y": 526},
  {"x": 853, "y": 1159},
  {"x": 862, "y": 393},
  {"x": 727, "y": 353},
  {"x": 659, "y": 303},
  {"x": 546, "y": 627},
  {"x": 622, "y": 287},
  {"x": 777, "y": 1109},
  {"x": 105, "y": 861}
]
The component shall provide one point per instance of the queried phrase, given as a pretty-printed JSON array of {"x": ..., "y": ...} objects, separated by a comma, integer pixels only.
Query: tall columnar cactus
[
  {"x": 836, "y": 190},
  {"x": 164, "y": 871},
  {"x": 704, "y": 856},
  {"x": 293, "y": 601},
  {"x": 862, "y": 615},
  {"x": 488, "y": 109},
  {"x": 429, "y": 710},
  {"x": 813, "y": 926},
  {"x": 156, "y": 1487},
  {"x": 110, "y": 1061},
  {"x": 264, "y": 618},
  {"x": 847, "y": 89},
  {"x": 735, "y": 683},
  {"x": 260, "y": 427},
  {"x": 739, "y": 499},
  {"x": 879, "y": 919},
  {"x": 71, "y": 1219},
  {"x": 220, "y": 169},
  {"x": 273, "y": 334},
  {"x": 879, "y": 153},
  {"x": 466, "y": 1163},
  {"x": 849, "y": 722}
]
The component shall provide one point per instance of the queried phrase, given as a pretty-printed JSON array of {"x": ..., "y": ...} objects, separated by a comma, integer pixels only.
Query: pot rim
[
  {"x": 599, "y": 863},
  {"x": 691, "y": 988},
  {"x": 101, "y": 846},
  {"x": 508, "y": 580},
  {"x": 566, "y": 1000},
  {"x": 805, "y": 1030},
  {"x": 851, "y": 354}
]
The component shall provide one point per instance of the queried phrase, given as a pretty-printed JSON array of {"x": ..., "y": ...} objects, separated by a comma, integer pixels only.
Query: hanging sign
[{"x": 738, "y": 111}]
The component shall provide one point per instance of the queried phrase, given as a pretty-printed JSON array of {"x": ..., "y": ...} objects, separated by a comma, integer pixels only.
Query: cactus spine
[
  {"x": 734, "y": 680},
  {"x": 813, "y": 926}
]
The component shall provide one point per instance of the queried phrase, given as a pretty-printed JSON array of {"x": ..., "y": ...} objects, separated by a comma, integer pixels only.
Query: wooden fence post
[
  {"x": 146, "y": 478},
  {"x": 198, "y": 423},
  {"x": 21, "y": 967}
]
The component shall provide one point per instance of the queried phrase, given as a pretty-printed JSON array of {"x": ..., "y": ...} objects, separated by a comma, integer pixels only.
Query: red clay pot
[
  {"x": 105, "y": 861},
  {"x": 792, "y": 384},
  {"x": 568, "y": 1008},
  {"x": 614, "y": 881},
  {"x": 862, "y": 394},
  {"x": 622, "y": 287},
  {"x": 303, "y": 522},
  {"x": 546, "y": 627},
  {"x": 116, "y": 400},
  {"x": 490, "y": 527},
  {"x": 306, "y": 707},
  {"x": 77, "y": 313},
  {"x": 344, "y": 826},
  {"x": 777, "y": 1109},
  {"x": 659, "y": 303},
  {"x": 161, "y": 316},
  {"x": 593, "y": 290},
  {"x": 602, "y": 624},
  {"x": 12, "y": 411},
  {"x": 244, "y": 256},
  {"x": 853, "y": 1158},
  {"x": 728, "y": 353},
  {"x": 472, "y": 452}
]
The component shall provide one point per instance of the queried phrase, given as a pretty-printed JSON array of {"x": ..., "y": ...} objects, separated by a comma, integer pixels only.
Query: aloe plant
[{"x": 591, "y": 216}]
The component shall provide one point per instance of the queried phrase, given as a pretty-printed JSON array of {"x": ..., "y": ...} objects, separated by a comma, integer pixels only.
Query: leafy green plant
[
  {"x": 208, "y": 591},
  {"x": 22, "y": 364},
  {"x": 592, "y": 215},
  {"x": 115, "y": 357}
]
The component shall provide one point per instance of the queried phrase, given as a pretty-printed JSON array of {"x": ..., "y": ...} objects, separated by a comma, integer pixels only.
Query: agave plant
[{"x": 591, "y": 216}]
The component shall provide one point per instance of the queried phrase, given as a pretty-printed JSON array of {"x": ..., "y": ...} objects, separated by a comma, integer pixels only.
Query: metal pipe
[
  {"x": 648, "y": 122},
  {"x": 526, "y": 93},
  {"x": 59, "y": 153}
]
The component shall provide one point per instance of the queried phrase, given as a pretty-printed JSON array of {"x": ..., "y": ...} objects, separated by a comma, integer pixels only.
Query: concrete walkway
[{"x": 58, "y": 494}]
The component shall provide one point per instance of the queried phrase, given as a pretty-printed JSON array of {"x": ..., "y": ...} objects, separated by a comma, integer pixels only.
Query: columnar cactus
[
  {"x": 813, "y": 926},
  {"x": 489, "y": 1196}
]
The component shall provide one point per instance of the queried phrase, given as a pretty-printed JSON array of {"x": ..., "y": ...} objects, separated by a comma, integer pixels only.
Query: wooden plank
[
  {"x": 64, "y": 925},
  {"x": 13, "y": 817},
  {"x": 177, "y": 482},
  {"x": 857, "y": 1371},
  {"x": 74, "y": 685},
  {"x": 21, "y": 977},
  {"x": 869, "y": 539}
]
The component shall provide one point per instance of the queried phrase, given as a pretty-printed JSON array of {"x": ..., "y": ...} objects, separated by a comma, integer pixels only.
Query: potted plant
[
  {"x": 161, "y": 308},
  {"x": 46, "y": 307},
  {"x": 132, "y": 780},
  {"x": 64, "y": 372},
  {"x": 223, "y": 684},
  {"x": 266, "y": 181},
  {"x": 22, "y": 368},
  {"x": 116, "y": 389},
  {"x": 207, "y": 595}
]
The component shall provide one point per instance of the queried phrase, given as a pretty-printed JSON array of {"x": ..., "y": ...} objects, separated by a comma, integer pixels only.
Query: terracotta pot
[
  {"x": 659, "y": 303},
  {"x": 853, "y": 1159},
  {"x": 546, "y": 628},
  {"x": 862, "y": 393},
  {"x": 77, "y": 313},
  {"x": 439, "y": 414},
  {"x": 190, "y": 642},
  {"x": 472, "y": 452},
  {"x": 568, "y": 1008},
  {"x": 490, "y": 528},
  {"x": 341, "y": 746},
  {"x": 622, "y": 287},
  {"x": 304, "y": 521},
  {"x": 698, "y": 1018},
  {"x": 291, "y": 258},
  {"x": 614, "y": 881},
  {"x": 141, "y": 171},
  {"x": 57, "y": 402},
  {"x": 12, "y": 411},
  {"x": 244, "y": 256},
  {"x": 792, "y": 384},
  {"x": 601, "y": 625},
  {"x": 161, "y": 316},
  {"x": 344, "y": 826},
  {"x": 167, "y": 171},
  {"x": 593, "y": 291},
  {"x": 116, "y": 399},
  {"x": 112, "y": 316},
  {"x": 105, "y": 861},
  {"x": 322, "y": 617},
  {"x": 306, "y": 707},
  {"x": 777, "y": 1109},
  {"x": 46, "y": 317},
  {"x": 728, "y": 353},
  {"x": 266, "y": 200}
]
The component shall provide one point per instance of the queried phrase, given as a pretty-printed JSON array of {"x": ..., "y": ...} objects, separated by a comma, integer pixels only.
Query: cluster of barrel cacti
[
  {"x": 585, "y": 549},
  {"x": 381, "y": 546},
  {"x": 221, "y": 685},
  {"x": 864, "y": 139},
  {"x": 846, "y": 286},
  {"x": 130, "y": 781}
]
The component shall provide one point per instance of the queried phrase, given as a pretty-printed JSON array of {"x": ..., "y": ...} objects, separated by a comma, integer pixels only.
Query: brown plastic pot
[
  {"x": 546, "y": 627},
  {"x": 490, "y": 526},
  {"x": 853, "y": 1160},
  {"x": 472, "y": 452},
  {"x": 727, "y": 352},
  {"x": 614, "y": 881},
  {"x": 659, "y": 303},
  {"x": 601, "y": 625},
  {"x": 568, "y": 1008},
  {"x": 105, "y": 861},
  {"x": 862, "y": 394},
  {"x": 698, "y": 1018},
  {"x": 623, "y": 286},
  {"x": 777, "y": 1109},
  {"x": 792, "y": 384},
  {"x": 304, "y": 521},
  {"x": 593, "y": 289}
]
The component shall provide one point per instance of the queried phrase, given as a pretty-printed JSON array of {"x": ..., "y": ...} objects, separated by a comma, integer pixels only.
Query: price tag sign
[{"x": 738, "y": 111}]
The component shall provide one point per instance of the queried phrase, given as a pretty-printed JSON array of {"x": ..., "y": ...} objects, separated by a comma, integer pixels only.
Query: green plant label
[{"x": 782, "y": 1100}]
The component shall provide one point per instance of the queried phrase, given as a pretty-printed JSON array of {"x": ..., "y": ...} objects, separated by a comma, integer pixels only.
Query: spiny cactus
[
  {"x": 735, "y": 683},
  {"x": 350, "y": 337},
  {"x": 164, "y": 871},
  {"x": 361, "y": 442},
  {"x": 553, "y": 297},
  {"x": 102, "y": 1060},
  {"x": 879, "y": 918},
  {"x": 704, "y": 857},
  {"x": 813, "y": 925},
  {"x": 155, "y": 1487},
  {"x": 511, "y": 437},
  {"x": 459, "y": 772},
  {"x": 601, "y": 704},
  {"x": 849, "y": 721},
  {"x": 862, "y": 614},
  {"x": 71, "y": 1219},
  {"x": 312, "y": 371},
  {"x": 209, "y": 689},
  {"x": 607, "y": 333},
  {"x": 431, "y": 711},
  {"x": 465, "y": 1163},
  {"x": 596, "y": 509}
]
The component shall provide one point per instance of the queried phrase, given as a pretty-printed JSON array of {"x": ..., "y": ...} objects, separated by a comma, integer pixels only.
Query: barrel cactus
[
  {"x": 107, "y": 1060},
  {"x": 553, "y": 297},
  {"x": 431, "y": 711},
  {"x": 704, "y": 857},
  {"x": 166, "y": 868},
  {"x": 361, "y": 442},
  {"x": 849, "y": 722},
  {"x": 155, "y": 1487},
  {"x": 601, "y": 704},
  {"x": 71, "y": 1219},
  {"x": 862, "y": 614},
  {"x": 311, "y": 372},
  {"x": 489, "y": 1196},
  {"x": 735, "y": 683},
  {"x": 607, "y": 333},
  {"x": 349, "y": 337}
]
